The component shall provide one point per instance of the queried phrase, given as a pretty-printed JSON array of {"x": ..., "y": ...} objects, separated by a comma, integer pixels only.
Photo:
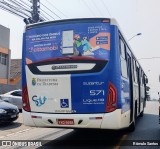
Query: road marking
[
  {"x": 120, "y": 142},
  {"x": 56, "y": 133},
  {"x": 21, "y": 131},
  {"x": 11, "y": 134},
  {"x": 15, "y": 133},
  {"x": 2, "y": 137}
]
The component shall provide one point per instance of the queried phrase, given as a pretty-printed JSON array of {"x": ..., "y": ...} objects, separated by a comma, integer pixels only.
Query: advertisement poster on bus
[{"x": 59, "y": 40}]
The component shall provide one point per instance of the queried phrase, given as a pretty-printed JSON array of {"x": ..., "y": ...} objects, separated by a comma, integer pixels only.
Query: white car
[{"x": 14, "y": 97}]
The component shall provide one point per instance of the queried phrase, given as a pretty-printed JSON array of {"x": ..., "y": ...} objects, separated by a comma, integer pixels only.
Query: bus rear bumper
[{"x": 111, "y": 120}]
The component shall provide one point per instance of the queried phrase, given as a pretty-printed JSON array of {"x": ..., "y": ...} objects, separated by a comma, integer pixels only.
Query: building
[
  {"x": 10, "y": 70},
  {"x": 5, "y": 55},
  {"x": 15, "y": 73}
]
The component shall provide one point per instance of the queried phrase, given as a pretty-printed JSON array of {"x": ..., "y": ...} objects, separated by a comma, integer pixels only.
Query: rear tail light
[
  {"x": 25, "y": 98},
  {"x": 111, "y": 98}
]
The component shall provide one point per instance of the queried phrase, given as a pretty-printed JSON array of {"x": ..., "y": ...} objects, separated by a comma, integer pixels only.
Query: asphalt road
[{"x": 147, "y": 130}]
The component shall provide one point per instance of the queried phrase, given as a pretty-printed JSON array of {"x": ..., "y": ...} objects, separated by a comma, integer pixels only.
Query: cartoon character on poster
[
  {"x": 77, "y": 41},
  {"x": 77, "y": 44},
  {"x": 86, "y": 47},
  {"x": 82, "y": 45}
]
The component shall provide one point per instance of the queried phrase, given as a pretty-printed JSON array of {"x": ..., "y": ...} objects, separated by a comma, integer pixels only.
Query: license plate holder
[{"x": 65, "y": 122}]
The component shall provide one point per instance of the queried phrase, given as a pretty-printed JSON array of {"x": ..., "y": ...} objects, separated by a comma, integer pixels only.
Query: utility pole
[
  {"x": 35, "y": 10},
  {"x": 34, "y": 13}
]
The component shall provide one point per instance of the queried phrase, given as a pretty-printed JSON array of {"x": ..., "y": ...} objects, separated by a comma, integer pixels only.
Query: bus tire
[
  {"x": 141, "y": 114},
  {"x": 132, "y": 126}
]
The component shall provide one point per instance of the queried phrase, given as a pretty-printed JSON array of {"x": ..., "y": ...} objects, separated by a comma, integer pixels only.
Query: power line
[
  {"x": 51, "y": 11},
  {"x": 97, "y": 7},
  {"x": 104, "y": 4},
  {"x": 23, "y": 9},
  {"x": 10, "y": 11},
  {"x": 47, "y": 14},
  {"x": 18, "y": 4},
  {"x": 14, "y": 13},
  {"x": 26, "y": 4},
  {"x": 85, "y": 3},
  {"x": 20, "y": 9},
  {"x": 13, "y": 8},
  {"x": 43, "y": 15},
  {"x": 56, "y": 8}
]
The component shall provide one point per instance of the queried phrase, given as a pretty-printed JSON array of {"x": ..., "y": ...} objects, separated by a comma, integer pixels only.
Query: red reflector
[
  {"x": 111, "y": 98},
  {"x": 98, "y": 118},
  {"x": 36, "y": 116},
  {"x": 95, "y": 118},
  {"x": 25, "y": 99}
]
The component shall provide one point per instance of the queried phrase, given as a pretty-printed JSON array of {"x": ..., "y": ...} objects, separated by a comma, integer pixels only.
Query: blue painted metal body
[{"x": 89, "y": 91}]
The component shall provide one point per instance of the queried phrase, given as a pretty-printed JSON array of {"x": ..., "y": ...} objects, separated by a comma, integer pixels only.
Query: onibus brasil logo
[{"x": 39, "y": 101}]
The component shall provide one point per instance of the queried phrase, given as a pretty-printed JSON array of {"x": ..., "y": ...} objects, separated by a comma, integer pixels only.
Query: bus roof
[{"x": 112, "y": 21}]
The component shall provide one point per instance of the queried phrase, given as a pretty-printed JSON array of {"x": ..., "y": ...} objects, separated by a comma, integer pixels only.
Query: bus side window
[
  {"x": 135, "y": 72},
  {"x": 123, "y": 59},
  {"x": 122, "y": 49},
  {"x": 142, "y": 78},
  {"x": 140, "y": 75}
]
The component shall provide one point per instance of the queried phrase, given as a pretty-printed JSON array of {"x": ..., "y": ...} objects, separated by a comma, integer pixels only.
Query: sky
[{"x": 133, "y": 16}]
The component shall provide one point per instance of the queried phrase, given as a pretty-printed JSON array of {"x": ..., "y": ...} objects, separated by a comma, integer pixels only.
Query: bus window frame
[
  {"x": 135, "y": 71},
  {"x": 123, "y": 59}
]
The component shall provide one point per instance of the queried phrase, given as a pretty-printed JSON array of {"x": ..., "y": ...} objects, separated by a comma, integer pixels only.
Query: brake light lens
[
  {"x": 25, "y": 99},
  {"x": 111, "y": 98},
  {"x": 106, "y": 20}
]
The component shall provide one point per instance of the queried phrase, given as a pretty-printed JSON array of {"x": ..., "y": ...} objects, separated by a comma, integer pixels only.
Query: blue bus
[{"x": 80, "y": 73}]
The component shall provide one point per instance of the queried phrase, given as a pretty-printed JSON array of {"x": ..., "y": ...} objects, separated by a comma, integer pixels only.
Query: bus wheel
[
  {"x": 132, "y": 126},
  {"x": 141, "y": 114}
]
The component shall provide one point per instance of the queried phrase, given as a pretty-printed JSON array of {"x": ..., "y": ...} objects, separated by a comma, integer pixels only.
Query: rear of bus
[{"x": 71, "y": 75}]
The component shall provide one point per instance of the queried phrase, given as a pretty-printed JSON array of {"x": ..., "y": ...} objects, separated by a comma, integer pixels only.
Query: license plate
[
  {"x": 65, "y": 121},
  {"x": 12, "y": 116}
]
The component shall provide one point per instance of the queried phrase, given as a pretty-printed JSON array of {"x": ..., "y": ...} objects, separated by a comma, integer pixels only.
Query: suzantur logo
[{"x": 39, "y": 101}]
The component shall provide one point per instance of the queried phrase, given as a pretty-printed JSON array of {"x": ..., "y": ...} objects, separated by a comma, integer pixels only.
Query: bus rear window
[{"x": 63, "y": 40}]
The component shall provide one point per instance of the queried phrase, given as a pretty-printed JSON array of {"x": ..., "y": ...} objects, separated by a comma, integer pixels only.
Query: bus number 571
[{"x": 96, "y": 92}]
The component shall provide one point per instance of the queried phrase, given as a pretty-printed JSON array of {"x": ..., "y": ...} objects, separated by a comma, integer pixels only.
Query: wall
[
  {"x": 4, "y": 37},
  {"x": 4, "y": 88},
  {"x": 3, "y": 71},
  {"x": 4, "y": 48}
]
